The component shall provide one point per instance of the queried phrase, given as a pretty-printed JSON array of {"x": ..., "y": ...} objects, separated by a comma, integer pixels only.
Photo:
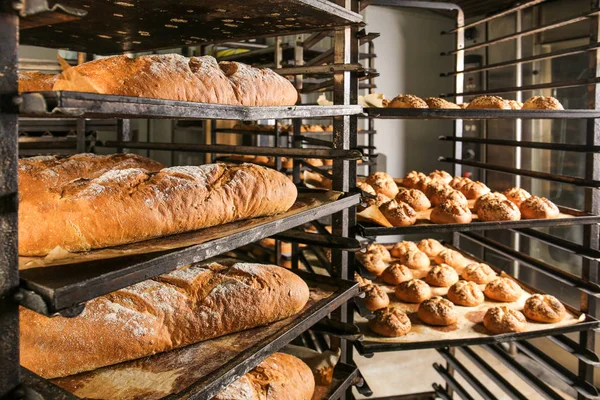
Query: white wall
[{"x": 409, "y": 62}]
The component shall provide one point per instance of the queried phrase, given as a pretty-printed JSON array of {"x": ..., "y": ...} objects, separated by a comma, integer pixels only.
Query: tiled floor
[{"x": 407, "y": 372}]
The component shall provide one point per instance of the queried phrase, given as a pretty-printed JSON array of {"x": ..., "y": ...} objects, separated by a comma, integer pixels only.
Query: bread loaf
[
  {"x": 131, "y": 205},
  {"x": 192, "y": 304},
  {"x": 279, "y": 377},
  {"x": 36, "y": 81},
  {"x": 175, "y": 77}
]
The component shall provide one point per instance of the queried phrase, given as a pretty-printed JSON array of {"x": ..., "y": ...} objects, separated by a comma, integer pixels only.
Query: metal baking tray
[
  {"x": 568, "y": 217},
  {"x": 65, "y": 104},
  {"x": 473, "y": 333},
  {"x": 155, "y": 24},
  {"x": 62, "y": 282},
  {"x": 436, "y": 113},
  {"x": 344, "y": 377},
  {"x": 201, "y": 370}
]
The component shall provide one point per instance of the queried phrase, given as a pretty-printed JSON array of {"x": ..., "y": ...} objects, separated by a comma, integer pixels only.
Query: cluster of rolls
[
  {"x": 286, "y": 162},
  {"x": 481, "y": 102},
  {"x": 469, "y": 284}
]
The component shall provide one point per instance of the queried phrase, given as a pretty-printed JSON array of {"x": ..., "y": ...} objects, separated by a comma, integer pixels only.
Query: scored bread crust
[
  {"x": 406, "y": 101},
  {"x": 436, "y": 102},
  {"x": 192, "y": 304},
  {"x": 492, "y": 102},
  {"x": 132, "y": 205},
  {"x": 391, "y": 322},
  {"x": 33, "y": 81},
  {"x": 279, "y": 377},
  {"x": 175, "y": 77},
  {"x": 542, "y": 103}
]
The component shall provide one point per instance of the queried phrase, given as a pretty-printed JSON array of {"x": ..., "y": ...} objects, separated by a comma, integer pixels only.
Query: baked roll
[
  {"x": 396, "y": 273},
  {"x": 373, "y": 262},
  {"x": 379, "y": 249},
  {"x": 437, "y": 311},
  {"x": 498, "y": 210},
  {"x": 517, "y": 195},
  {"x": 401, "y": 248},
  {"x": 383, "y": 183},
  {"x": 413, "y": 291},
  {"x": 514, "y": 105},
  {"x": 452, "y": 258},
  {"x": 542, "y": 103},
  {"x": 414, "y": 198},
  {"x": 503, "y": 319},
  {"x": 479, "y": 273},
  {"x": 412, "y": 179},
  {"x": 391, "y": 322},
  {"x": 465, "y": 293},
  {"x": 442, "y": 176},
  {"x": 544, "y": 308},
  {"x": 431, "y": 247},
  {"x": 450, "y": 212},
  {"x": 398, "y": 214},
  {"x": 436, "y": 102},
  {"x": 414, "y": 259},
  {"x": 490, "y": 102},
  {"x": 441, "y": 194},
  {"x": 406, "y": 101},
  {"x": 458, "y": 182},
  {"x": 375, "y": 297},
  {"x": 486, "y": 197},
  {"x": 441, "y": 275},
  {"x": 536, "y": 207},
  {"x": 503, "y": 289},
  {"x": 473, "y": 190}
]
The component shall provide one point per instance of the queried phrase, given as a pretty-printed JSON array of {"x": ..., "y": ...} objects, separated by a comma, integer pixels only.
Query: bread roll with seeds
[
  {"x": 437, "y": 311},
  {"x": 391, "y": 322},
  {"x": 544, "y": 308},
  {"x": 499, "y": 320},
  {"x": 542, "y": 103}
]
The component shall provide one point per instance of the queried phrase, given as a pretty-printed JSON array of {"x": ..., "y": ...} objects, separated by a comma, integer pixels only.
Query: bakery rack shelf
[
  {"x": 64, "y": 285},
  {"x": 368, "y": 346},
  {"x": 63, "y": 104},
  {"x": 344, "y": 377},
  {"x": 451, "y": 114},
  {"x": 576, "y": 217},
  {"x": 204, "y": 368},
  {"x": 157, "y": 24}
]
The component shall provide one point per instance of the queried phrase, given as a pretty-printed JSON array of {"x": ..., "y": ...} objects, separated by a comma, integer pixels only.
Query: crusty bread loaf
[
  {"x": 175, "y": 77},
  {"x": 131, "y": 205},
  {"x": 188, "y": 305},
  {"x": 36, "y": 81},
  {"x": 279, "y": 377}
]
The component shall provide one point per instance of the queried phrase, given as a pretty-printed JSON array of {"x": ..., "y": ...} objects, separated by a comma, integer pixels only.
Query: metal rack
[
  {"x": 84, "y": 27},
  {"x": 585, "y": 283}
]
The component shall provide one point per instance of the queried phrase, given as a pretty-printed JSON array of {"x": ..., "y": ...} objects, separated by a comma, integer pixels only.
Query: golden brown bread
[
  {"x": 375, "y": 297},
  {"x": 391, "y": 322},
  {"x": 535, "y": 207},
  {"x": 175, "y": 77},
  {"x": 496, "y": 209},
  {"x": 279, "y": 377},
  {"x": 451, "y": 212},
  {"x": 451, "y": 257},
  {"x": 517, "y": 195},
  {"x": 406, "y": 101},
  {"x": 373, "y": 262},
  {"x": 412, "y": 179},
  {"x": 437, "y": 311},
  {"x": 479, "y": 273},
  {"x": 401, "y": 248},
  {"x": 489, "y": 102},
  {"x": 544, "y": 308},
  {"x": 414, "y": 198},
  {"x": 192, "y": 304},
  {"x": 503, "y": 289},
  {"x": 36, "y": 81},
  {"x": 465, "y": 293},
  {"x": 486, "y": 197},
  {"x": 473, "y": 190},
  {"x": 398, "y": 213},
  {"x": 131, "y": 205},
  {"x": 379, "y": 249},
  {"x": 503, "y": 319},
  {"x": 413, "y": 291},
  {"x": 396, "y": 273},
  {"x": 414, "y": 259},
  {"x": 436, "y": 102},
  {"x": 431, "y": 247},
  {"x": 441, "y": 275},
  {"x": 383, "y": 183},
  {"x": 542, "y": 103},
  {"x": 441, "y": 175}
]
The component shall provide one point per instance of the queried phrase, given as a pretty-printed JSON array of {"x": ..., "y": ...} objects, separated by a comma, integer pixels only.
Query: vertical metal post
[
  {"x": 124, "y": 133},
  {"x": 345, "y": 91},
  {"x": 587, "y": 339},
  {"x": 9, "y": 202},
  {"x": 459, "y": 82},
  {"x": 213, "y": 138},
  {"x": 371, "y": 125},
  {"x": 518, "y": 123},
  {"x": 81, "y": 148}
]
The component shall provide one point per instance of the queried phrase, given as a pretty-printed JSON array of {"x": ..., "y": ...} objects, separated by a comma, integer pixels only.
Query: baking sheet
[
  {"x": 469, "y": 325},
  {"x": 178, "y": 370},
  {"x": 304, "y": 202}
]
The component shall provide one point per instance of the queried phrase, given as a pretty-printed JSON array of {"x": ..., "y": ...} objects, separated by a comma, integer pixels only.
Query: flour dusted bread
[
  {"x": 279, "y": 377},
  {"x": 36, "y": 81},
  {"x": 131, "y": 205},
  {"x": 175, "y": 77},
  {"x": 192, "y": 304}
]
